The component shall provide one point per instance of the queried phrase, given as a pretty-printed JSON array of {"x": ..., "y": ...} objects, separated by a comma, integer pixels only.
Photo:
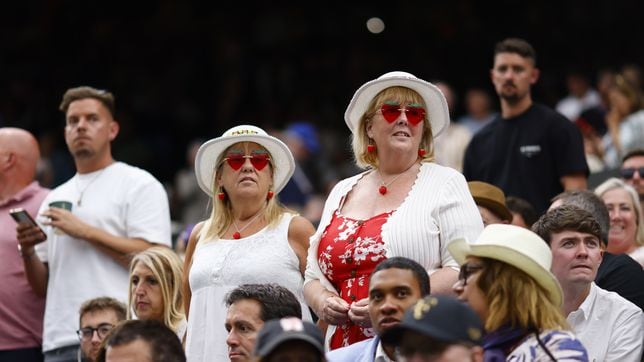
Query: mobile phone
[{"x": 21, "y": 215}]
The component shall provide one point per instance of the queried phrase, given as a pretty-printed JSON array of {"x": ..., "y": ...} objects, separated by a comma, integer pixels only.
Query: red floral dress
[{"x": 349, "y": 250}]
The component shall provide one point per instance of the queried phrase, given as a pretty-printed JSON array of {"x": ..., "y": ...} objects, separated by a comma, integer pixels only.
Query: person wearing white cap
[
  {"x": 505, "y": 277},
  {"x": 403, "y": 205},
  {"x": 250, "y": 238}
]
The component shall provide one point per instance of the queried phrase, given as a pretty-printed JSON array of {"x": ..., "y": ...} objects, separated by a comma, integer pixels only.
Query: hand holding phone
[
  {"x": 21, "y": 215},
  {"x": 29, "y": 237}
]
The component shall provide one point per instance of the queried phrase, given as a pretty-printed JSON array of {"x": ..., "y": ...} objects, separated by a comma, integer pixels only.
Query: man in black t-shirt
[{"x": 529, "y": 150}]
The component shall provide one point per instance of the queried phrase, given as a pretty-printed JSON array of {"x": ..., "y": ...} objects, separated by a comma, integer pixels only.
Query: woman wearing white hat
[
  {"x": 403, "y": 205},
  {"x": 249, "y": 237},
  {"x": 505, "y": 277}
]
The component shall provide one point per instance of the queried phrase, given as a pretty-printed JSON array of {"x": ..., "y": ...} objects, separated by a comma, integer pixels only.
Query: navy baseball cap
[
  {"x": 440, "y": 317},
  {"x": 278, "y": 331}
]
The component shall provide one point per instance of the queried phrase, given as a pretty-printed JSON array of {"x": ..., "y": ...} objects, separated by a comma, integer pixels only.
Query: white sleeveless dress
[{"x": 220, "y": 266}]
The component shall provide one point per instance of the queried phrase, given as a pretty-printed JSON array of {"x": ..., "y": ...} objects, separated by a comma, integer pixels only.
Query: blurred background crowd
[{"x": 183, "y": 72}]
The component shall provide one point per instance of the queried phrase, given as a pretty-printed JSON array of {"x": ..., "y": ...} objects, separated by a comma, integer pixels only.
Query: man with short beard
[
  {"x": 529, "y": 150},
  {"x": 113, "y": 210},
  {"x": 97, "y": 318}
]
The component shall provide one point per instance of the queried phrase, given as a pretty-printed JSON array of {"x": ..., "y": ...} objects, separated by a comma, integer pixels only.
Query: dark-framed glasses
[
  {"x": 467, "y": 270},
  {"x": 85, "y": 334},
  {"x": 391, "y": 111},
  {"x": 236, "y": 160},
  {"x": 629, "y": 172}
]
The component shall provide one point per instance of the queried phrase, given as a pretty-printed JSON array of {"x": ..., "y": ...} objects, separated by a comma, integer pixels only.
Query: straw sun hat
[
  {"x": 209, "y": 152},
  {"x": 516, "y": 246},
  {"x": 435, "y": 102}
]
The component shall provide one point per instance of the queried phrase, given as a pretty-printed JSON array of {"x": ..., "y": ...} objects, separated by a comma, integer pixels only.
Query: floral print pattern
[{"x": 349, "y": 250}]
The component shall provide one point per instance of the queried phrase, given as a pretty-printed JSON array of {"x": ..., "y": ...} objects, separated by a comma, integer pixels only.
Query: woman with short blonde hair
[
  {"x": 626, "y": 233},
  {"x": 403, "y": 204}
]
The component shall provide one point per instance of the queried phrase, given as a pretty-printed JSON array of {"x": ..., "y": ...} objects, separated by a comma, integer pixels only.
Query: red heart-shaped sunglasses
[
  {"x": 236, "y": 160},
  {"x": 391, "y": 111}
]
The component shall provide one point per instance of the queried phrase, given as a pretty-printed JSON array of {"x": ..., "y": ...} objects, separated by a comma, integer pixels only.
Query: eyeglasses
[
  {"x": 85, "y": 334},
  {"x": 236, "y": 160},
  {"x": 391, "y": 111},
  {"x": 467, "y": 270},
  {"x": 629, "y": 172}
]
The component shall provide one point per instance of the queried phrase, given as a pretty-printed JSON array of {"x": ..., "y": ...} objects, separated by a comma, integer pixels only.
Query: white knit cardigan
[{"x": 439, "y": 208}]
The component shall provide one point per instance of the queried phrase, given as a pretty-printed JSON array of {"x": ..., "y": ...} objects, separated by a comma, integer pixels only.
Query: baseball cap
[
  {"x": 440, "y": 317},
  {"x": 278, "y": 331}
]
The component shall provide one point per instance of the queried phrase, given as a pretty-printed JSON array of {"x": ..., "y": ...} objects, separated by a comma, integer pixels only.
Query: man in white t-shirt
[
  {"x": 610, "y": 327},
  {"x": 109, "y": 211}
]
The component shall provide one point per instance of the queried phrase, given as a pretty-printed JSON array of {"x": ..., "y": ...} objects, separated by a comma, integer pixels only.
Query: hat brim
[
  {"x": 435, "y": 102},
  {"x": 461, "y": 249},
  {"x": 209, "y": 152},
  {"x": 495, "y": 207},
  {"x": 287, "y": 337}
]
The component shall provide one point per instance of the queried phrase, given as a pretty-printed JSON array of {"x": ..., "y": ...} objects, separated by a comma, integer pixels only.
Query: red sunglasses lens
[
  {"x": 391, "y": 112},
  {"x": 235, "y": 161},
  {"x": 259, "y": 161},
  {"x": 415, "y": 115}
]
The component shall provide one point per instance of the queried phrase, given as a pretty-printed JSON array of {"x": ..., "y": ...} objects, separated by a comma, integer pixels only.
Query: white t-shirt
[
  {"x": 609, "y": 326},
  {"x": 121, "y": 200}
]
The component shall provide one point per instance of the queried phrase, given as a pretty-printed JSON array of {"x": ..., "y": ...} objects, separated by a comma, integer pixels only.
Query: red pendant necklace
[
  {"x": 384, "y": 185},
  {"x": 237, "y": 234}
]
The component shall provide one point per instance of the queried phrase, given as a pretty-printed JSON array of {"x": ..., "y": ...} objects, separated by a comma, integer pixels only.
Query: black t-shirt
[
  {"x": 623, "y": 275},
  {"x": 527, "y": 155}
]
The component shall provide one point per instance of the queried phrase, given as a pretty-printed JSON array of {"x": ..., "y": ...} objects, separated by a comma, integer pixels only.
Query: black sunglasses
[
  {"x": 629, "y": 172},
  {"x": 467, "y": 270}
]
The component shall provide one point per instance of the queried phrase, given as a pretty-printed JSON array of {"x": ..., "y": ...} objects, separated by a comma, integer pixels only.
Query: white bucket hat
[
  {"x": 437, "y": 110},
  {"x": 209, "y": 152},
  {"x": 516, "y": 246}
]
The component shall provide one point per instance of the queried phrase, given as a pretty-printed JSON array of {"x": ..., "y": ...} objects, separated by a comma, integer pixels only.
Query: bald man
[{"x": 21, "y": 310}]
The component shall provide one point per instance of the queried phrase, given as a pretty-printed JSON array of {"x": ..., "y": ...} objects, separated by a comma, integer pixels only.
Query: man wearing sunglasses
[
  {"x": 97, "y": 318},
  {"x": 529, "y": 150},
  {"x": 633, "y": 171}
]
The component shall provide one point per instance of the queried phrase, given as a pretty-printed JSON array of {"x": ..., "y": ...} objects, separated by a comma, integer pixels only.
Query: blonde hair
[
  {"x": 222, "y": 216},
  {"x": 167, "y": 268},
  {"x": 360, "y": 139},
  {"x": 514, "y": 298},
  {"x": 615, "y": 183}
]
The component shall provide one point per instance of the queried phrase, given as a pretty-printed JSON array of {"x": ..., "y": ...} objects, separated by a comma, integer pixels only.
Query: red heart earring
[
  {"x": 221, "y": 195},
  {"x": 270, "y": 195},
  {"x": 371, "y": 148},
  {"x": 421, "y": 152}
]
